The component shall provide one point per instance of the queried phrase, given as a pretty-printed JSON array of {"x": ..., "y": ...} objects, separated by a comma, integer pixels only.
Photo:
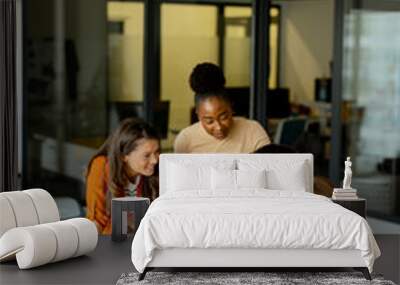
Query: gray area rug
[{"x": 226, "y": 278}]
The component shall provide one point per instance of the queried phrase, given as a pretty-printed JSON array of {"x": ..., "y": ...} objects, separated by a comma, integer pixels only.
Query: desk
[{"x": 102, "y": 266}]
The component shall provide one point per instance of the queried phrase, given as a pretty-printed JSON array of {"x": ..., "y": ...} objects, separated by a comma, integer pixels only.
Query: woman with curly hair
[
  {"x": 217, "y": 131},
  {"x": 125, "y": 165}
]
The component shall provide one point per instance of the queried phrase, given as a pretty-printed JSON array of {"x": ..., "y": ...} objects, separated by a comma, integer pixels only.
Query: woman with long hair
[{"x": 125, "y": 165}]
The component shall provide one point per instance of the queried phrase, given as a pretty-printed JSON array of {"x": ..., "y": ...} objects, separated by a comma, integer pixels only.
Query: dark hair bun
[{"x": 206, "y": 78}]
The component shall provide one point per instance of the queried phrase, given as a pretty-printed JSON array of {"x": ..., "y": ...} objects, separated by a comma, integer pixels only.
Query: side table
[
  {"x": 358, "y": 205},
  {"x": 119, "y": 214}
]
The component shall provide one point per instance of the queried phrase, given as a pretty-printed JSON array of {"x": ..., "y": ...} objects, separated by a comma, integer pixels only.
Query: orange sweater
[{"x": 96, "y": 194}]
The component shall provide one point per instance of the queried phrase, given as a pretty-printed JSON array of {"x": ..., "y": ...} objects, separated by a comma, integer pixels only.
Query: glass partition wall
[
  {"x": 371, "y": 103},
  {"x": 217, "y": 33},
  {"x": 65, "y": 95},
  {"x": 125, "y": 61},
  {"x": 237, "y": 46},
  {"x": 83, "y": 74},
  {"x": 299, "y": 101}
]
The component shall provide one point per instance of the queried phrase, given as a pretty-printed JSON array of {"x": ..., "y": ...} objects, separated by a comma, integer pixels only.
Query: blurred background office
[{"x": 333, "y": 84}]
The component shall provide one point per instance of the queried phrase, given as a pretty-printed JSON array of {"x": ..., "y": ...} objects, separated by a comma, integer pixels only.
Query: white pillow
[
  {"x": 281, "y": 175},
  {"x": 295, "y": 179},
  {"x": 251, "y": 178},
  {"x": 236, "y": 179},
  {"x": 188, "y": 176},
  {"x": 223, "y": 179},
  {"x": 182, "y": 177}
]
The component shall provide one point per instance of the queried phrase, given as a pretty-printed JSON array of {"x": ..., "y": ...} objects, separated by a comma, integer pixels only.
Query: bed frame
[
  {"x": 243, "y": 259},
  {"x": 246, "y": 258}
]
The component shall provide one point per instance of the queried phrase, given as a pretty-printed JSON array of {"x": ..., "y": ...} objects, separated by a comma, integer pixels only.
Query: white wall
[
  {"x": 306, "y": 46},
  {"x": 237, "y": 49},
  {"x": 188, "y": 37},
  {"x": 125, "y": 52}
]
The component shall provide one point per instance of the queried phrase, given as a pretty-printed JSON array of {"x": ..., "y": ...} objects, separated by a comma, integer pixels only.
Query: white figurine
[{"x": 347, "y": 174}]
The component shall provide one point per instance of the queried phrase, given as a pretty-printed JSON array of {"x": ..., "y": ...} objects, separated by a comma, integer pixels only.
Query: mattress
[{"x": 251, "y": 219}]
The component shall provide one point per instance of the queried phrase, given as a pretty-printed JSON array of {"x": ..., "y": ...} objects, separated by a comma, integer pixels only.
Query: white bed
[{"x": 247, "y": 210}]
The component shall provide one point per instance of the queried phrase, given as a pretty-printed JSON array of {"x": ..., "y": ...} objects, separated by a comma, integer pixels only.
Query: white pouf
[
  {"x": 7, "y": 220},
  {"x": 31, "y": 230},
  {"x": 37, "y": 245},
  {"x": 23, "y": 208},
  {"x": 46, "y": 207}
]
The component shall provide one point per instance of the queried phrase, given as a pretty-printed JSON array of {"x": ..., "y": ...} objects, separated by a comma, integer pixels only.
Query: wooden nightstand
[{"x": 357, "y": 205}]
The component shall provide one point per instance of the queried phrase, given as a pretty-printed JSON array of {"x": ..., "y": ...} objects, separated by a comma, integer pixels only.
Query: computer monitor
[
  {"x": 278, "y": 103},
  {"x": 240, "y": 98},
  {"x": 323, "y": 90}
]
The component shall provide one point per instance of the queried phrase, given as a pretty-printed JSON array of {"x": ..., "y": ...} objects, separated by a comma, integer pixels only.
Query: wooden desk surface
[{"x": 102, "y": 266}]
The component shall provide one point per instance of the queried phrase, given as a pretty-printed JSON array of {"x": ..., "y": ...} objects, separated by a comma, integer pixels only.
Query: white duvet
[{"x": 254, "y": 218}]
